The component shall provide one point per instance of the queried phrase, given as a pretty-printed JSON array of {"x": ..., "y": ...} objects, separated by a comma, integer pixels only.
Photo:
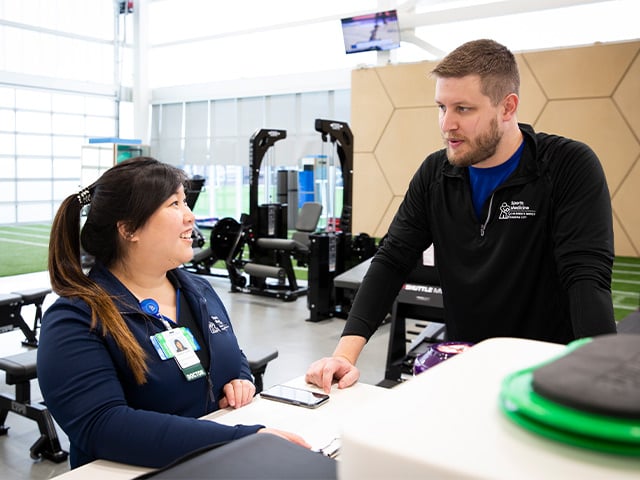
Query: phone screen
[{"x": 295, "y": 396}]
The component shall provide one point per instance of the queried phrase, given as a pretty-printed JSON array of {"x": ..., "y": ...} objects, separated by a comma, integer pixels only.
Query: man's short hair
[{"x": 492, "y": 62}]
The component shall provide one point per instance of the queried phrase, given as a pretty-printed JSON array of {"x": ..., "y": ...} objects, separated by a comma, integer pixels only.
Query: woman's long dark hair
[{"x": 128, "y": 193}]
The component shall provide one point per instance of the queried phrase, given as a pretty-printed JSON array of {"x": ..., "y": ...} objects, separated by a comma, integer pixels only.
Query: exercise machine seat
[
  {"x": 36, "y": 297},
  {"x": 20, "y": 369},
  {"x": 274, "y": 258},
  {"x": 258, "y": 360},
  {"x": 307, "y": 222}
]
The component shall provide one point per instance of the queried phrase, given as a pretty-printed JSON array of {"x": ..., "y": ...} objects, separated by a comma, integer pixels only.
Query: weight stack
[
  {"x": 272, "y": 220},
  {"x": 325, "y": 262}
]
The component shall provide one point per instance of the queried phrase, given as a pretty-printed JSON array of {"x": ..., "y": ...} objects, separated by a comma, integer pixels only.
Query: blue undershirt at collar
[{"x": 485, "y": 180}]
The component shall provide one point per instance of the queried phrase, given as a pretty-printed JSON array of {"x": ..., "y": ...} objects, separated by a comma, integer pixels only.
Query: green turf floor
[
  {"x": 23, "y": 249},
  {"x": 625, "y": 286}
]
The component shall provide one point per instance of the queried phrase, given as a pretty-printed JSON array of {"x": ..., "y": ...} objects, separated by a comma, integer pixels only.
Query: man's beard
[{"x": 483, "y": 147}]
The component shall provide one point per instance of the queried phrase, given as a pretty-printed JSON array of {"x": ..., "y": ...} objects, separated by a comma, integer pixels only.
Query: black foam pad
[
  {"x": 260, "y": 456},
  {"x": 602, "y": 377}
]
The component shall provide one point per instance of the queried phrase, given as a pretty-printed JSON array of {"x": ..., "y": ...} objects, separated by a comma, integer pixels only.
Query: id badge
[
  {"x": 190, "y": 365},
  {"x": 179, "y": 343}
]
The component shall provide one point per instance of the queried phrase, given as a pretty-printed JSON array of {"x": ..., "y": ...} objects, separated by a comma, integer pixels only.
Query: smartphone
[{"x": 295, "y": 396}]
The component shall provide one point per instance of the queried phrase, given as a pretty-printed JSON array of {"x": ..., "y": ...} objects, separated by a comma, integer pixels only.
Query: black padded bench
[
  {"x": 258, "y": 360},
  {"x": 10, "y": 304},
  {"x": 346, "y": 285},
  {"x": 11, "y": 316},
  {"x": 34, "y": 296},
  {"x": 19, "y": 370}
]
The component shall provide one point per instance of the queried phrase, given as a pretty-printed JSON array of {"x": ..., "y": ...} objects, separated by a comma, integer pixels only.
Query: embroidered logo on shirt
[
  {"x": 216, "y": 325},
  {"x": 515, "y": 210}
]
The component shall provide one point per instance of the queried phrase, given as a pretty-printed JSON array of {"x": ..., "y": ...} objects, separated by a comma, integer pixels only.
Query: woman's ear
[{"x": 125, "y": 233}]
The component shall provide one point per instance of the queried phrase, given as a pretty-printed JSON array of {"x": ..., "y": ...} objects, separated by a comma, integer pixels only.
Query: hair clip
[{"x": 84, "y": 197}]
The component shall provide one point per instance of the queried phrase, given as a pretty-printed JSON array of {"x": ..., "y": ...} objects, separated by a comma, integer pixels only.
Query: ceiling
[
  {"x": 287, "y": 42},
  {"x": 431, "y": 25}
]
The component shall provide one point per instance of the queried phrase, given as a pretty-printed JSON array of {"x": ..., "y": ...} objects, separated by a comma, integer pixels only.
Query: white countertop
[
  {"x": 317, "y": 426},
  {"x": 446, "y": 423}
]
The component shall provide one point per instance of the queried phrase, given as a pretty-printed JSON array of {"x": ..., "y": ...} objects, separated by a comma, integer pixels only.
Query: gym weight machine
[
  {"x": 335, "y": 250},
  {"x": 263, "y": 231}
]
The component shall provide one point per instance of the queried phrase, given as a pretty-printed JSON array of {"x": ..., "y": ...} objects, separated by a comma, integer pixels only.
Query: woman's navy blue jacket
[{"x": 92, "y": 394}]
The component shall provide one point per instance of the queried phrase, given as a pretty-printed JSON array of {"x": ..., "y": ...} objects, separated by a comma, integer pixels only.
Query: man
[{"x": 520, "y": 222}]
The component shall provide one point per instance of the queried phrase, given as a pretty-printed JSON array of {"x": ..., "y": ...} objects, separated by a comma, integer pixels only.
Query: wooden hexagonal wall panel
[
  {"x": 626, "y": 206},
  {"x": 581, "y": 72},
  {"x": 370, "y": 109},
  {"x": 409, "y": 85},
  {"x": 627, "y": 95},
  {"x": 613, "y": 141},
  {"x": 412, "y": 133},
  {"x": 387, "y": 216},
  {"x": 532, "y": 98},
  {"x": 371, "y": 193}
]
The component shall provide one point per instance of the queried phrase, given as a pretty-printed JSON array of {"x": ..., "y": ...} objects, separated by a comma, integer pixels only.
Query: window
[
  {"x": 212, "y": 139},
  {"x": 62, "y": 52}
]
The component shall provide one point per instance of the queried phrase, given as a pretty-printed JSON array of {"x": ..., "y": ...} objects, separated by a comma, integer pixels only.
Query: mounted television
[{"x": 374, "y": 31}]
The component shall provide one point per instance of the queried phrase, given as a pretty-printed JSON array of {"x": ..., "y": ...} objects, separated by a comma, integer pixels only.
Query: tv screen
[{"x": 375, "y": 31}]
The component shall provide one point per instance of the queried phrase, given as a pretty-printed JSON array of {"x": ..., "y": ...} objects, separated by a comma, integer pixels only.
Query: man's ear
[{"x": 510, "y": 106}]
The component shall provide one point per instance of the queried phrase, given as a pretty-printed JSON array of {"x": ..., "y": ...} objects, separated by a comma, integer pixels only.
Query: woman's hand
[
  {"x": 237, "y": 393},
  {"x": 292, "y": 437}
]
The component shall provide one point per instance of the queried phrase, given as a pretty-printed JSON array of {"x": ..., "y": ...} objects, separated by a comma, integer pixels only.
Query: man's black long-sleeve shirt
[{"x": 537, "y": 265}]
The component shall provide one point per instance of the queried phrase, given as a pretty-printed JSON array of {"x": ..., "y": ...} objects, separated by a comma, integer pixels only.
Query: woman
[{"x": 104, "y": 367}]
